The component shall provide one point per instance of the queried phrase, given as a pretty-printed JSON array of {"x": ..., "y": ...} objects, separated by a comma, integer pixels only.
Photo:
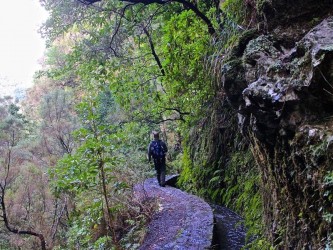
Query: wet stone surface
[
  {"x": 229, "y": 232},
  {"x": 182, "y": 222}
]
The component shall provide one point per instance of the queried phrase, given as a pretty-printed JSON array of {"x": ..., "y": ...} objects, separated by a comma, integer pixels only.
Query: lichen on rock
[
  {"x": 278, "y": 78},
  {"x": 283, "y": 92},
  {"x": 286, "y": 106}
]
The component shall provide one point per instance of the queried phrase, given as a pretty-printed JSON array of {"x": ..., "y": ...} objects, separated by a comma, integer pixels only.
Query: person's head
[{"x": 156, "y": 135}]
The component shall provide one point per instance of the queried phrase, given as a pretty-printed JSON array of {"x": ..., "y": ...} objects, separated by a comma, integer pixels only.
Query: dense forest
[{"x": 241, "y": 91}]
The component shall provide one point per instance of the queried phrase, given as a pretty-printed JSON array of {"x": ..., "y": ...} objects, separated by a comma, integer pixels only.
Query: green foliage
[
  {"x": 84, "y": 224},
  {"x": 328, "y": 181},
  {"x": 328, "y": 215},
  {"x": 124, "y": 94},
  {"x": 21, "y": 204},
  {"x": 185, "y": 45},
  {"x": 81, "y": 170},
  {"x": 4, "y": 244},
  {"x": 242, "y": 193},
  {"x": 58, "y": 121},
  {"x": 102, "y": 243},
  {"x": 101, "y": 170},
  {"x": 235, "y": 10},
  {"x": 219, "y": 166},
  {"x": 261, "y": 5},
  {"x": 260, "y": 244},
  {"x": 13, "y": 124},
  {"x": 187, "y": 180}
]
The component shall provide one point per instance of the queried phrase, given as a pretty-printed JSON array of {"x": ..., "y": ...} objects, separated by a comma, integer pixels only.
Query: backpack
[{"x": 157, "y": 149}]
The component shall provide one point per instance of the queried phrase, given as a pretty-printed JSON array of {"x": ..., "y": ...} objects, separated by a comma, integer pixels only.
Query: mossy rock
[
  {"x": 283, "y": 12},
  {"x": 242, "y": 42},
  {"x": 264, "y": 7},
  {"x": 233, "y": 81}
]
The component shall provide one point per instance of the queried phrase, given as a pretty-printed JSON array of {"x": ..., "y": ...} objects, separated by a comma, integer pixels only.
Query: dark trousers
[{"x": 160, "y": 168}]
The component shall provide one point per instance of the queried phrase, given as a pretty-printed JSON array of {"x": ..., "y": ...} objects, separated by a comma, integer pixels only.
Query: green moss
[
  {"x": 235, "y": 9},
  {"x": 186, "y": 179},
  {"x": 263, "y": 44},
  {"x": 242, "y": 40},
  {"x": 242, "y": 192},
  {"x": 262, "y": 6},
  {"x": 218, "y": 166}
]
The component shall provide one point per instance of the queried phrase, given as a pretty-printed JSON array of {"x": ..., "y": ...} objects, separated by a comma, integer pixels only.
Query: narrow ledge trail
[{"x": 183, "y": 221}]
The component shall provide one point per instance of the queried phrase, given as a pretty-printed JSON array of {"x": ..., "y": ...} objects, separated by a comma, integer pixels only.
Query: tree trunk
[{"x": 14, "y": 230}]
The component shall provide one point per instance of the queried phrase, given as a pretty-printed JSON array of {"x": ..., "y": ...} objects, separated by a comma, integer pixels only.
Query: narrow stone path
[{"x": 182, "y": 222}]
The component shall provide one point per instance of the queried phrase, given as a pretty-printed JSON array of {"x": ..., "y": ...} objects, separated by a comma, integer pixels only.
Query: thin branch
[
  {"x": 5, "y": 218},
  {"x": 328, "y": 92},
  {"x": 145, "y": 2},
  {"x": 7, "y": 170},
  {"x": 88, "y": 2},
  {"x": 118, "y": 26},
  {"x": 56, "y": 221},
  {"x": 187, "y": 4},
  {"x": 151, "y": 44},
  {"x": 325, "y": 79},
  {"x": 177, "y": 110},
  {"x": 204, "y": 18},
  {"x": 165, "y": 120},
  {"x": 66, "y": 148}
]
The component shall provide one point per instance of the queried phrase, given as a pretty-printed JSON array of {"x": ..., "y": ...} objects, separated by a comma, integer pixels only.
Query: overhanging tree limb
[
  {"x": 89, "y": 1},
  {"x": 121, "y": 14},
  {"x": 187, "y": 4},
  {"x": 204, "y": 18},
  {"x": 151, "y": 44}
]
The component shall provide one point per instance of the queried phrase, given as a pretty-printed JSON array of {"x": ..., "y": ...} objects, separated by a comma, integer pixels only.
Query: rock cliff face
[
  {"x": 287, "y": 87},
  {"x": 281, "y": 83},
  {"x": 286, "y": 12},
  {"x": 277, "y": 84}
]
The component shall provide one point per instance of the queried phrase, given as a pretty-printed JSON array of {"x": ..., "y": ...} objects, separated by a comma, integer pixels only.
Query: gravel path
[{"x": 183, "y": 221}]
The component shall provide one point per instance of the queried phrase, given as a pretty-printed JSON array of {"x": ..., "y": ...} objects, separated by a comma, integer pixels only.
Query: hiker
[{"x": 157, "y": 149}]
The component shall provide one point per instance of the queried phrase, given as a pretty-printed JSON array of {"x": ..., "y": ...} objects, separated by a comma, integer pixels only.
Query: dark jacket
[{"x": 165, "y": 149}]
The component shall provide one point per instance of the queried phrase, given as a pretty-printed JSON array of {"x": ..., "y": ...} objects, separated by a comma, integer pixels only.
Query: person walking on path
[{"x": 157, "y": 150}]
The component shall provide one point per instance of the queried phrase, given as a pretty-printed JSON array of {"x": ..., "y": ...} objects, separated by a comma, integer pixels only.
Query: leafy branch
[
  {"x": 151, "y": 44},
  {"x": 186, "y": 4}
]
